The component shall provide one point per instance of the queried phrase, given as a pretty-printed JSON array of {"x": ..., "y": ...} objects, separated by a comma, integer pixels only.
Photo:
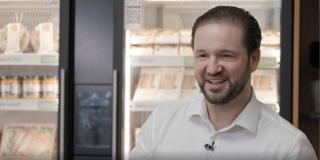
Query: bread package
[
  {"x": 45, "y": 38},
  {"x": 167, "y": 37},
  {"x": 264, "y": 82},
  {"x": 185, "y": 50},
  {"x": 147, "y": 84},
  {"x": 141, "y": 50},
  {"x": 185, "y": 36},
  {"x": 14, "y": 38},
  {"x": 2, "y": 40},
  {"x": 166, "y": 50},
  {"x": 143, "y": 37},
  {"x": 189, "y": 83},
  {"x": 169, "y": 84},
  {"x": 270, "y": 37},
  {"x": 28, "y": 141}
]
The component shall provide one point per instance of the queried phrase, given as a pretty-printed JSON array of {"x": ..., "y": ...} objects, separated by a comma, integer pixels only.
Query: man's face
[{"x": 222, "y": 66}]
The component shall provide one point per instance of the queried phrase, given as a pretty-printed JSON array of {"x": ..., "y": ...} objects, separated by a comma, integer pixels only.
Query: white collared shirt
[{"x": 180, "y": 129}]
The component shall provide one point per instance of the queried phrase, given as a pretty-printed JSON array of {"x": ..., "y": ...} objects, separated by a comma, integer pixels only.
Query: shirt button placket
[{"x": 212, "y": 143}]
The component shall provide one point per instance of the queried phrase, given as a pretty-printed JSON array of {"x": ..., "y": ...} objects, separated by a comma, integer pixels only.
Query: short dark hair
[{"x": 236, "y": 16}]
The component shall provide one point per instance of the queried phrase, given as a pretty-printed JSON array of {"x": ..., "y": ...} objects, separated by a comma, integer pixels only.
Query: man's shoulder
[{"x": 281, "y": 128}]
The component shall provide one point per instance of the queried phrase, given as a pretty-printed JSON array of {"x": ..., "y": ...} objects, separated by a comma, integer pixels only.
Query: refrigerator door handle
[
  {"x": 114, "y": 114},
  {"x": 61, "y": 114}
]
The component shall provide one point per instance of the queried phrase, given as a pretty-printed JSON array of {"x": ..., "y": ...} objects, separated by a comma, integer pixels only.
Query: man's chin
[{"x": 215, "y": 98}]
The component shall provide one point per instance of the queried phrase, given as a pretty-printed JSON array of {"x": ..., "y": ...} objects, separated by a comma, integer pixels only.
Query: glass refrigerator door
[
  {"x": 159, "y": 60},
  {"x": 29, "y": 60}
]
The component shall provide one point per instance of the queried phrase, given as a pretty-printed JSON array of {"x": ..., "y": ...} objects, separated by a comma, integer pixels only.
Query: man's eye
[
  {"x": 228, "y": 56},
  {"x": 202, "y": 55}
]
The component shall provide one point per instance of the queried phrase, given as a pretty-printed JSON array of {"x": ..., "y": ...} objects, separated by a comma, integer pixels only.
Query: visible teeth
[{"x": 216, "y": 81}]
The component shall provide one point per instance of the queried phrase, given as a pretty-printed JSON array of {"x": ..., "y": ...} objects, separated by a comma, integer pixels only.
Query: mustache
[{"x": 218, "y": 74}]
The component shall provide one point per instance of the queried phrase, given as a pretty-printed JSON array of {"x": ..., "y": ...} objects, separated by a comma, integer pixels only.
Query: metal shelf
[
  {"x": 160, "y": 61},
  {"x": 43, "y": 59},
  {"x": 148, "y": 105},
  {"x": 50, "y": 105},
  {"x": 187, "y": 61}
]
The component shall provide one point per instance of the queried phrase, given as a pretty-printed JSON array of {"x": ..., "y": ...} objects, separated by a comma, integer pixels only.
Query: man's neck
[{"x": 222, "y": 116}]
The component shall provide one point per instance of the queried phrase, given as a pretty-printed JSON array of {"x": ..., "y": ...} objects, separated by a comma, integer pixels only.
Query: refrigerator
[
  {"x": 29, "y": 90},
  {"x": 85, "y": 75},
  {"x": 61, "y": 79}
]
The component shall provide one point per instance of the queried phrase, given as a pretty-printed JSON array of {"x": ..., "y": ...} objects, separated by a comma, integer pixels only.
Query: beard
[{"x": 235, "y": 88}]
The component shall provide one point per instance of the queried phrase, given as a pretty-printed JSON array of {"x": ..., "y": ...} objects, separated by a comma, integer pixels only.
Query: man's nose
[{"x": 214, "y": 66}]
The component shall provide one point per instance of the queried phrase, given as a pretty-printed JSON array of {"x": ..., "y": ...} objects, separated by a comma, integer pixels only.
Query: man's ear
[{"x": 254, "y": 59}]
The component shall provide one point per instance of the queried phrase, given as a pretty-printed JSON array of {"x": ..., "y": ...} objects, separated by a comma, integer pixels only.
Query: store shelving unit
[
  {"x": 31, "y": 59},
  {"x": 20, "y": 109},
  {"x": 159, "y": 61},
  {"x": 47, "y": 105}
]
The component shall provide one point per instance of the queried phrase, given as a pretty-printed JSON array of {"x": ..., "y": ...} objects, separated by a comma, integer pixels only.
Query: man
[{"x": 225, "y": 121}]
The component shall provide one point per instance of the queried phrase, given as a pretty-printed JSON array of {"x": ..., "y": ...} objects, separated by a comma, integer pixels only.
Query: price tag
[{"x": 133, "y": 14}]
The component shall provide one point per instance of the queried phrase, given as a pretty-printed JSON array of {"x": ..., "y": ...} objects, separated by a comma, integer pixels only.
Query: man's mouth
[{"x": 216, "y": 81}]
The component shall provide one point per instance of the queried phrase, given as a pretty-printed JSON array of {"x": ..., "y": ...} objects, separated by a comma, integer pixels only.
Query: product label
[
  {"x": 29, "y": 88},
  {"x": 50, "y": 89},
  {"x": 133, "y": 14},
  {"x": 6, "y": 90},
  {"x": 15, "y": 89},
  {"x": 46, "y": 37},
  {"x": 13, "y": 37}
]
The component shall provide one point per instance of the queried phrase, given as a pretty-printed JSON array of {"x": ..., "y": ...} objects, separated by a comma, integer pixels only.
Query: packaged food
[
  {"x": 143, "y": 37},
  {"x": 147, "y": 84},
  {"x": 141, "y": 50},
  {"x": 270, "y": 37},
  {"x": 50, "y": 88},
  {"x": 31, "y": 87},
  {"x": 167, "y": 37},
  {"x": 185, "y": 50},
  {"x": 45, "y": 38},
  {"x": 166, "y": 50},
  {"x": 28, "y": 141},
  {"x": 14, "y": 38},
  {"x": 170, "y": 82},
  {"x": 11, "y": 87},
  {"x": 185, "y": 36},
  {"x": 2, "y": 41}
]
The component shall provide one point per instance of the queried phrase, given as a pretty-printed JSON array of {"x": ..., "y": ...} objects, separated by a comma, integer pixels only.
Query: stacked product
[
  {"x": 166, "y": 43},
  {"x": 185, "y": 43},
  {"x": 29, "y": 87},
  {"x": 142, "y": 42},
  {"x": 15, "y": 38},
  {"x": 161, "y": 84},
  {"x": 160, "y": 42}
]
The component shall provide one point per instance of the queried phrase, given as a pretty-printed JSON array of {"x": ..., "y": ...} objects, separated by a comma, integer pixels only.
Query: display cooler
[
  {"x": 29, "y": 62},
  {"x": 79, "y": 78}
]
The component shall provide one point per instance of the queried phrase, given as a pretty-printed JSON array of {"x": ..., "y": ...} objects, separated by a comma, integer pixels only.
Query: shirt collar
[
  {"x": 197, "y": 107},
  {"x": 247, "y": 119}
]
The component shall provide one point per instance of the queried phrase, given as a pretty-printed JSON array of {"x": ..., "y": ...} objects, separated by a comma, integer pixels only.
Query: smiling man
[{"x": 225, "y": 121}]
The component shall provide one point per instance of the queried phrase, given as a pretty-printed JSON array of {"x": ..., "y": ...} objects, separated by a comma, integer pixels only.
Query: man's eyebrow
[
  {"x": 199, "y": 51},
  {"x": 229, "y": 51}
]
